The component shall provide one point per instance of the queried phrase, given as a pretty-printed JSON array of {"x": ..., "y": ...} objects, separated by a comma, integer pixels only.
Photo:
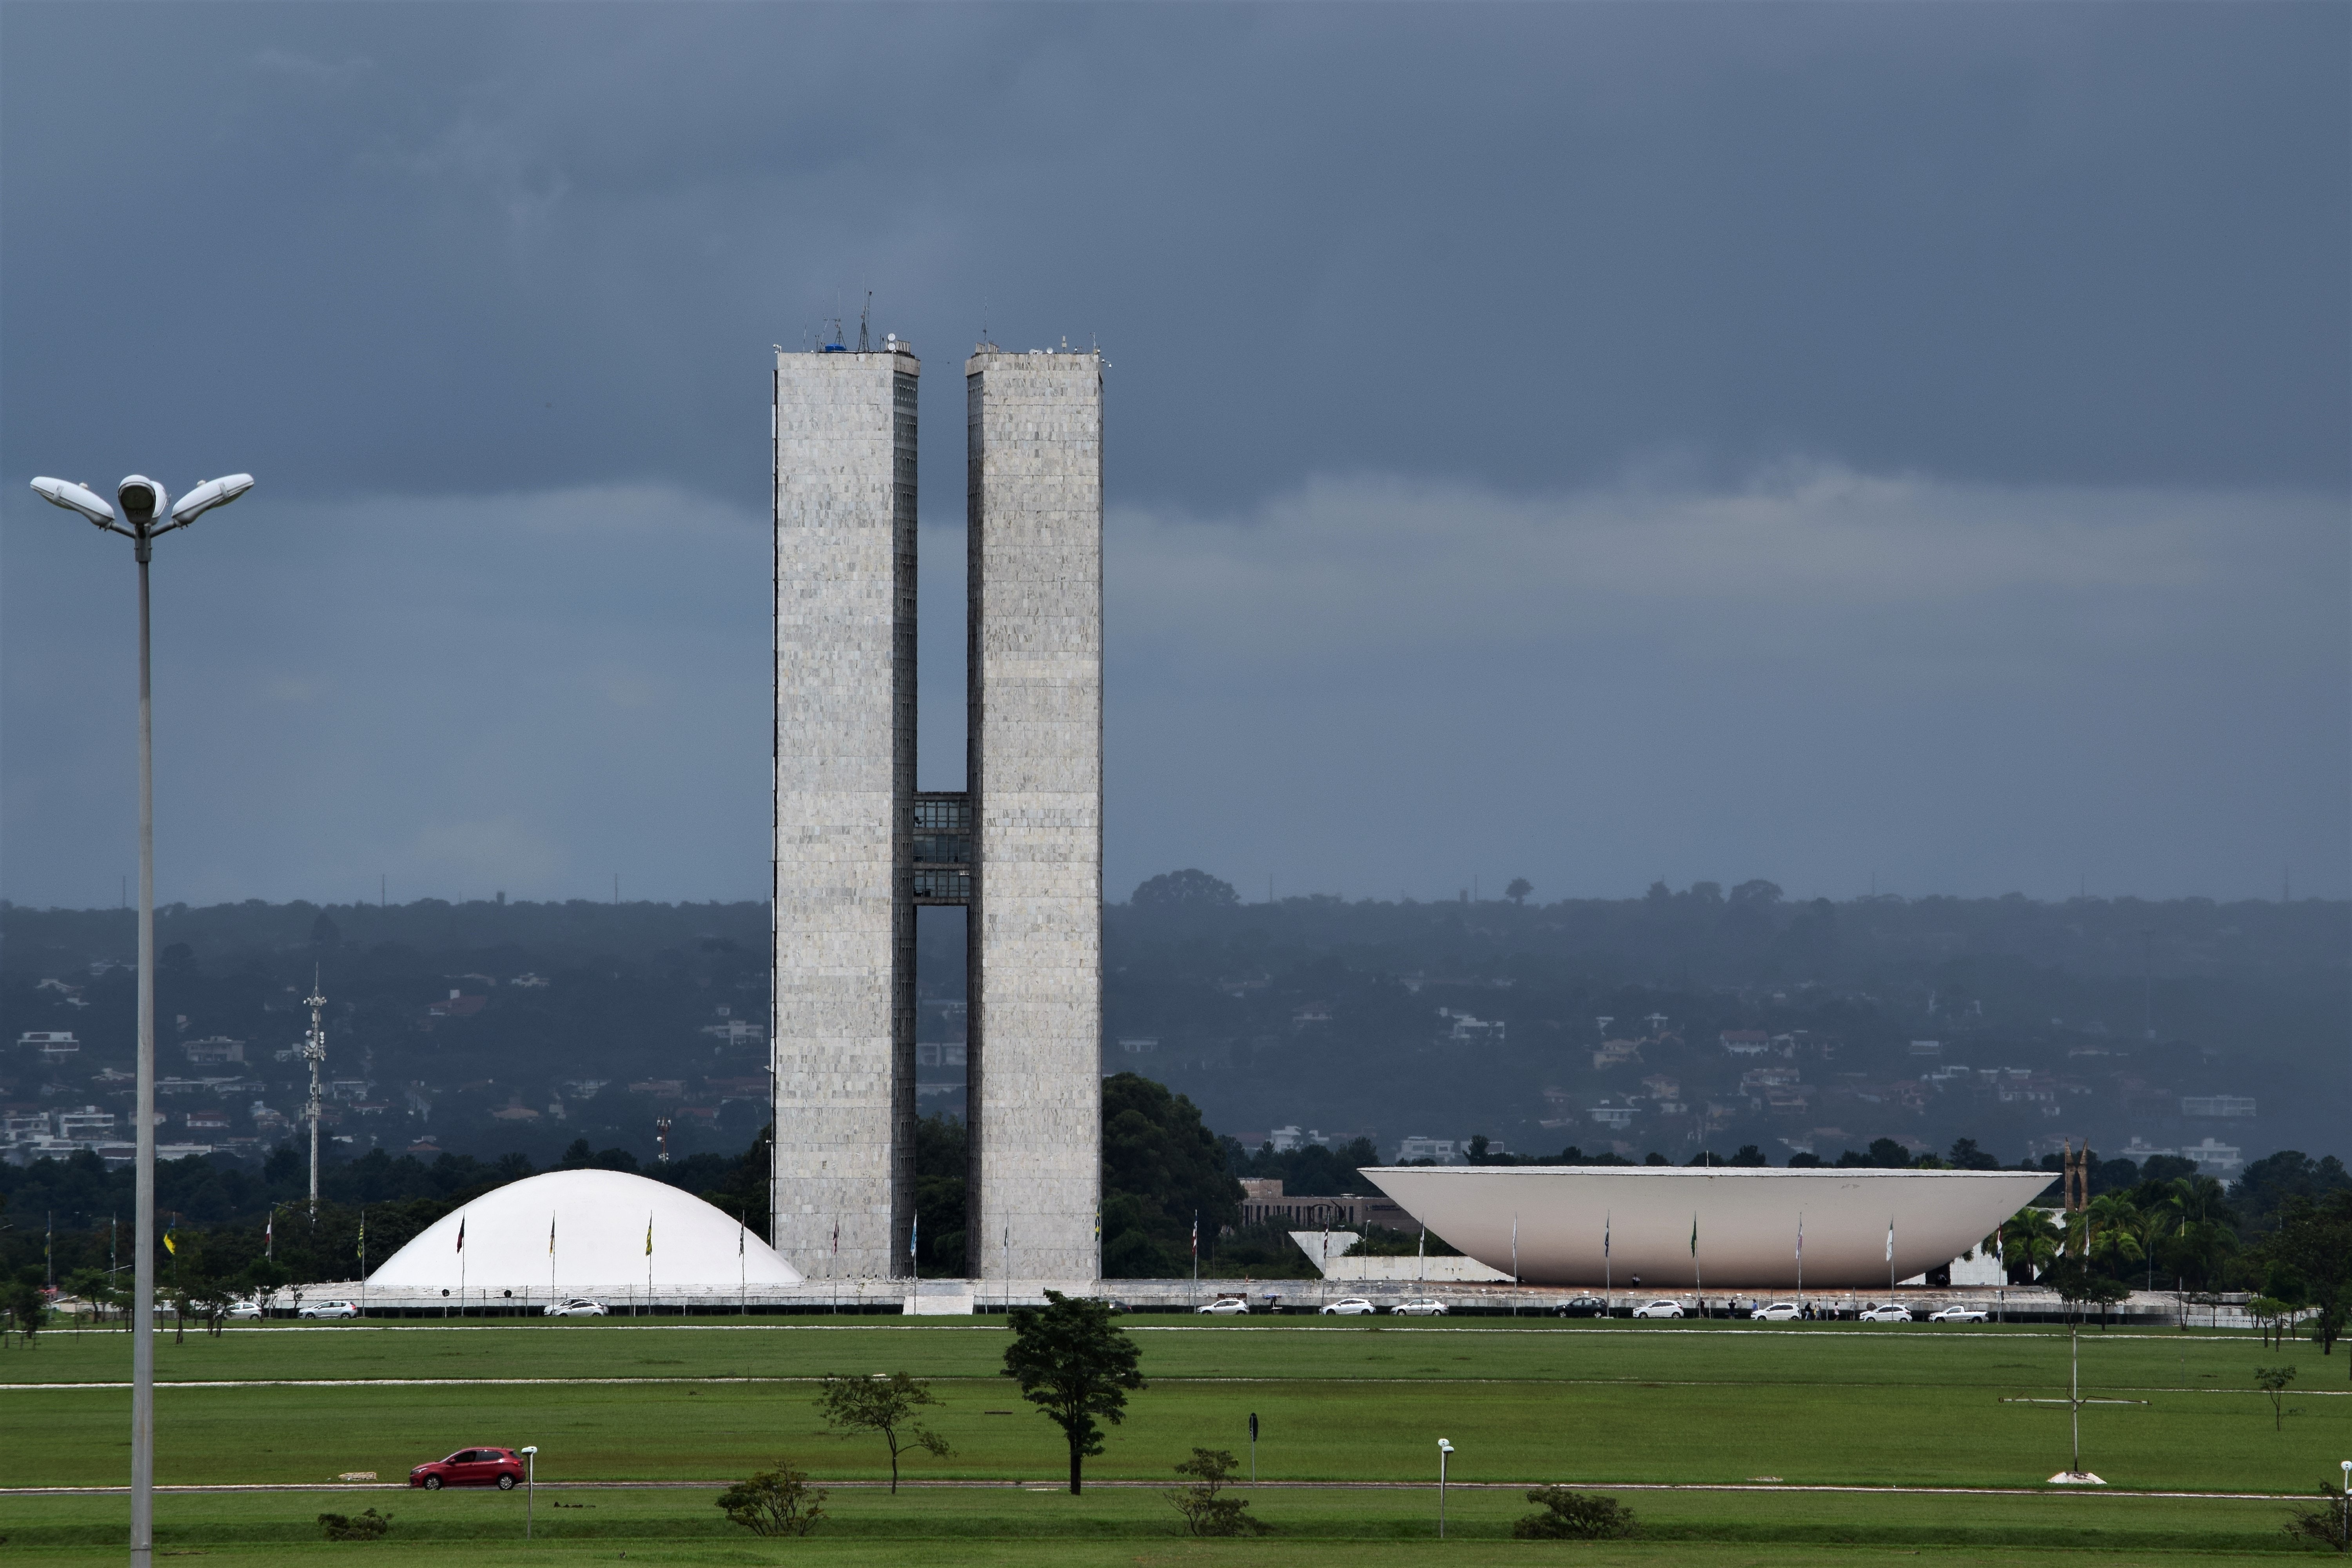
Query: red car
[{"x": 499, "y": 1468}]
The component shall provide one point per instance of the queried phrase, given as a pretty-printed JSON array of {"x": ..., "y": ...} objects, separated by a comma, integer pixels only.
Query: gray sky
[{"x": 1588, "y": 443}]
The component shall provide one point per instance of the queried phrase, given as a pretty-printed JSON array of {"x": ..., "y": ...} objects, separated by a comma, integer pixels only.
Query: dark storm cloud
[{"x": 440, "y": 274}]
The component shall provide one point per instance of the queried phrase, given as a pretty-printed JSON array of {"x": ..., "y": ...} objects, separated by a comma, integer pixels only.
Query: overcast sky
[{"x": 1891, "y": 445}]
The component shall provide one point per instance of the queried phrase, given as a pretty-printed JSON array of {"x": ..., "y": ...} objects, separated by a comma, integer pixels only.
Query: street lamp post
[
  {"x": 1444, "y": 1451},
  {"x": 529, "y": 1483},
  {"x": 146, "y": 515}
]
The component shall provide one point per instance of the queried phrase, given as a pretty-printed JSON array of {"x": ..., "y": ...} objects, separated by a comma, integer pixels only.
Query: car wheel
[
  {"x": 506, "y": 1483},
  {"x": 433, "y": 1483}
]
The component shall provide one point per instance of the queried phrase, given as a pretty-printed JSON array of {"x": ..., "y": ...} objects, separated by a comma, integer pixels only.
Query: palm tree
[
  {"x": 2029, "y": 1236},
  {"x": 2115, "y": 1225}
]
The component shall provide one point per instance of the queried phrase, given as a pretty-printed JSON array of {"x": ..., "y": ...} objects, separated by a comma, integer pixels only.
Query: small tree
[
  {"x": 885, "y": 1403},
  {"x": 1075, "y": 1365},
  {"x": 1206, "y": 1514},
  {"x": 775, "y": 1503},
  {"x": 2330, "y": 1523},
  {"x": 2272, "y": 1381},
  {"x": 1518, "y": 890},
  {"x": 368, "y": 1526},
  {"x": 1573, "y": 1516}
]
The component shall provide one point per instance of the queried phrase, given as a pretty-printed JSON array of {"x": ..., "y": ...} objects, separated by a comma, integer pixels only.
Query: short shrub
[
  {"x": 775, "y": 1503},
  {"x": 369, "y": 1526},
  {"x": 1573, "y": 1516},
  {"x": 1206, "y": 1514}
]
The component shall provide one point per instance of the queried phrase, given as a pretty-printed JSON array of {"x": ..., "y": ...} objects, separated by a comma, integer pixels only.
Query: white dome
[{"x": 599, "y": 1220}]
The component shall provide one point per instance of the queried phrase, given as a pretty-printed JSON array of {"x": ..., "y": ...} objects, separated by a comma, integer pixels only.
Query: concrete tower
[
  {"x": 843, "y": 1029},
  {"x": 1035, "y": 499}
]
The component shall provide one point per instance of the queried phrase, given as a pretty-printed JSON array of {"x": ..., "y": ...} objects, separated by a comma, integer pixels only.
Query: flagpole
[
  {"x": 1515, "y": 1263},
  {"x": 1801, "y": 1261},
  {"x": 1608, "y": 1280}
]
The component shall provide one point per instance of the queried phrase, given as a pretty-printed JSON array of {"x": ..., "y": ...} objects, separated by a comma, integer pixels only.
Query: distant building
[
  {"x": 457, "y": 1006},
  {"x": 53, "y": 1044},
  {"x": 2216, "y": 1105},
  {"x": 1613, "y": 1115},
  {"x": 1744, "y": 1042},
  {"x": 214, "y": 1051},
  {"x": 2213, "y": 1158},
  {"x": 1614, "y": 1052},
  {"x": 1441, "y": 1149},
  {"x": 1142, "y": 1047},
  {"x": 1472, "y": 1031},
  {"x": 1926, "y": 1048},
  {"x": 87, "y": 1124}
]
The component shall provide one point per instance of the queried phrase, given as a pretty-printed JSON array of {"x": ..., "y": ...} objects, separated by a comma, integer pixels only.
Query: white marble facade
[
  {"x": 1034, "y": 434},
  {"x": 841, "y": 1030}
]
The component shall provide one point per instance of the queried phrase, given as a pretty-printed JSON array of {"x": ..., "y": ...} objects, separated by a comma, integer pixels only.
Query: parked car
[
  {"x": 1428, "y": 1307},
  {"x": 499, "y": 1468},
  {"x": 1892, "y": 1313},
  {"x": 243, "y": 1310},
  {"x": 1960, "y": 1315},
  {"x": 1352, "y": 1307},
  {"x": 578, "y": 1307},
  {"x": 1779, "y": 1312},
  {"x": 1659, "y": 1309},
  {"x": 1226, "y": 1307},
  {"x": 1582, "y": 1307},
  {"x": 328, "y": 1310}
]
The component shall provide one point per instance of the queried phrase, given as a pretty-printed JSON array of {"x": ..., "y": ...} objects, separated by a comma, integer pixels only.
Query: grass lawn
[
  {"x": 1012, "y": 1525},
  {"x": 1340, "y": 1400}
]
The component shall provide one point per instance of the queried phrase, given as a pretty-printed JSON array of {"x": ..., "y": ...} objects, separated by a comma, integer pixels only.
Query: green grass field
[{"x": 1340, "y": 1400}]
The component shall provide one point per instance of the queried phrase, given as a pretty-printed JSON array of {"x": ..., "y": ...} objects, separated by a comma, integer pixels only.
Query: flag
[
  {"x": 551, "y": 1236},
  {"x": 1604, "y": 1236},
  {"x": 914, "y": 1229},
  {"x": 362, "y": 1242},
  {"x": 738, "y": 1234},
  {"x": 269, "y": 1230},
  {"x": 1801, "y": 1238},
  {"x": 1890, "y": 1241},
  {"x": 836, "y": 1238},
  {"x": 1694, "y": 1235},
  {"x": 1196, "y": 1234},
  {"x": 649, "y": 1236},
  {"x": 171, "y": 1245},
  {"x": 461, "y": 1234}
]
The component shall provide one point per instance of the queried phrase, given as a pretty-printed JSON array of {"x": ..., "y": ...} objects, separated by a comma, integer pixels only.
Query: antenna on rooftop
[{"x": 862, "y": 347}]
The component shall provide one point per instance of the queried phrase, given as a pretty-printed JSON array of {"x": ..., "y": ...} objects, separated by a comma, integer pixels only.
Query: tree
[
  {"x": 1160, "y": 1168},
  {"x": 1189, "y": 888},
  {"x": 1573, "y": 1516},
  {"x": 2272, "y": 1381},
  {"x": 1518, "y": 890},
  {"x": 775, "y": 1503},
  {"x": 2028, "y": 1240},
  {"x": 368, "y": 1526},
  {"x": 1075, "y": 1365},
  {"x": 886, "y": 1404},
  {"x": 2330, "y": 1523},
  {"x": 2309, "y": 1260},
  {"x": 1967, "y": 1156},
  {"x": 1206, "y": 1514}
]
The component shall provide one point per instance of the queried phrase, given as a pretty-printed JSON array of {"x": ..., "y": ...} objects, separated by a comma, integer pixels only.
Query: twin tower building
[{"x": 858, "y": 848}]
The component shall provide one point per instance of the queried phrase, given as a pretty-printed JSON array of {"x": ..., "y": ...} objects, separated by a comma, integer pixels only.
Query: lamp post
[
  {"x": 146, "y": 515},
  {"x": 1444, "y": 1450},
  {"x": 529, "y": 1480},
  {"x": 2347, "y": 1499}
]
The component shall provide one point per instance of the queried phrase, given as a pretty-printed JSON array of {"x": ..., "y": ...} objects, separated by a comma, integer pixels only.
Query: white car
[
  {"x": 1960, "y": 1315},
  {"x": 1777, "y": 1312},
  {"x": 578, "y": 1307},
  {"x": 1429, "y": 1307},
  {"x": 1353, "y": 1307},
  {"x": 1659, "y": 1309},
  {"x": 328, "y": 1310},
  {"x": 242, "y": 1310},
  {"x": 1893, "y": 1312},
  {"x": 1226, "y": 1307}
]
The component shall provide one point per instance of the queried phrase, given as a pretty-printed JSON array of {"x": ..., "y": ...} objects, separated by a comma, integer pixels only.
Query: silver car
[
  {"x": 1892, "y": 1313},
  {"x": 1960, "y": 1315},
  {"x": 1225, "y": 1307},
  {"x": 578, "y": 1307},
  {"x": 328, "y": 1310},
  {"x": 1659, "y": 1309},
  {"x": 1428, "y": 1307},
  {"x": 1777, "y": 1312},
  {"x": 1353, "y": 1307}
]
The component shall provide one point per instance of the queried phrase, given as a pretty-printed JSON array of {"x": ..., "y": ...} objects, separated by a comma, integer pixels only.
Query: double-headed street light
[{"x": 147, "y": 513}]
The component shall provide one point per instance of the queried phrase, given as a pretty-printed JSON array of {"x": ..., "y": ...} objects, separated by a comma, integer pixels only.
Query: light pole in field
[
  {"x": 529, "y": 1485},
  {"x": 146, "y": 515},
  {"x": 1444, "y": 1451}
]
